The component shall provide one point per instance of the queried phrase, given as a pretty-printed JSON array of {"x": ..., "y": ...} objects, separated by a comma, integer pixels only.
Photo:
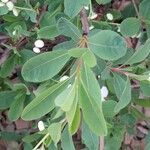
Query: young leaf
[
  {"x": 77, "y": 52},
  {"x": 140, "y": 54},
  {"x": 43, "y": 102},
  {"x": 55, "y": 132},
  {"x": 123, "y": 92},
  {"x": 93, "y": 116},
  {"x": 72, "y": 8},
  {"x": 144, "y": 9},
  {"x": 108, "y": 108},
  {"x": 142, "y": 102},
  {"x": 145, "y": 87},
  {"x": 89, "y": 139},
  {"x": 89, "y": 58},
  {"x": 66, "y": 28},
  {"x": 108, "y": 45},
  {"x": 66, "y": 140},
  {"x": 74, "y": 119},
  {"x": 6, "y": 99},
  {"x": 16, "y": 107},
  {"x": 48, "y": 32},
  {"x": 66, "y": 98},
  {"x": 130, "y": 26},
  {"x": 8, "y": 66},
  {"x": 44, "y": 66}
]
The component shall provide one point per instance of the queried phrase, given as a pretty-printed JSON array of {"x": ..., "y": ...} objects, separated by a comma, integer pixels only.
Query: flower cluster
[
  {"x": 38, "y": 44},
  {"x": 10, "y": 6}
]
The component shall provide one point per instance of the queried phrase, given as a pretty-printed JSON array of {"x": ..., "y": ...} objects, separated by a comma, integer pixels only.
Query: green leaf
[
  {"x": 144, "y": 9},
  {"x": 67, "y": 28},
  {"x": 92, "y": 113},
  {"x": 142, "y": 102},
  {"x": 108, "y": 45},
  {"x": 145, "y": 87},
  {"x": 3, "y": 10},
  {"x": 103, "y": 1},
  {"x": 77, "y": 52},
  {"x": 89, "y": 139},
  {"x": 73, "y": 115},
  {"x": 43, "y": 102},
  {"x": 16, "y": 107},
  {"x": 108, "y": 108},
  {"x": 31, "y": 137},
  {"x": 72, "y": 8},
  {"x": 141, "y": 53},
  {"x": 90, "y": 100},
  {"x": 55, "y": 132},
  {"x": 48, "y": 32},
  {"x": 114, "y": 139},
  {"x": 89, "y": 58},
  {"x": 8, "y": 66},
  {"x": 6, "y": 99},
  {"x": 130, "y": 26},
  {"x": 74, "y": 118},
  {"x": 123, "y": 92},
  {"x": 65, "y": 99},
  {"x": 91, "y": 83},
  {"x": 66, "y": 140},
  {"x": 44, "y": 66}
]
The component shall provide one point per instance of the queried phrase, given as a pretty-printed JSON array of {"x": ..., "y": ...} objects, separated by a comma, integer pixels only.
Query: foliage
[{"x": 87, "y": 45}]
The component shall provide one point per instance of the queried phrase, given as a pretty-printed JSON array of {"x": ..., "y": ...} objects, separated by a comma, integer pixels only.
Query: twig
[
  {"x": 101, "y": 143},
  {"x": 84, "y": 21},
  {"x": 44, "y": 138},
  {"x": 4, "y": 56},
  {"x": 136, "y": 9}
]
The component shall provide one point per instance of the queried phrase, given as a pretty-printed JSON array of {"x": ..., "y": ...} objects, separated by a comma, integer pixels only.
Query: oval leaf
[
  {"x": 108, "y": 45},
  {"x": 44, "y": 66}
]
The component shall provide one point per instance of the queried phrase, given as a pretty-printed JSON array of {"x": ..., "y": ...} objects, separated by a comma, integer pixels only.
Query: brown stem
[
  {"x": 119, "y": 71},
  {"x": 84, "y": 21}
]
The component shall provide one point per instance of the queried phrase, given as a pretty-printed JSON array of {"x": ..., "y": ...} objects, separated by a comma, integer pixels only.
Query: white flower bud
[
  {"x": 104, "y": 91},
  {"x": 93, "y": 16},
  {"x": 41, "y": 126},
  {"x": 2, "y": 4},
  {"x": 14, "y": 32},
  {"x": 91, "y": 27},
  {"x": 36, "y": 50},
  {"x": 4, "y": 1},
  {"x": 109, "y": 16},
  {"x": 98, "y": 76},
  {"x": 10, "y": 5},
  {"x": 15, "y": 12},
  {"x": 86, "y": 7},
  {"x": 39, "y": 43},
  {"x": 63, "y": 78},
  {"x": 118, "y": 30}
]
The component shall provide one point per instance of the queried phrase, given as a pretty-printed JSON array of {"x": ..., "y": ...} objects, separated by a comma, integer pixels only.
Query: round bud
[
  {"x": 10, "y": 5},
  {"x": 4, "y": 1},
  {"x": 14, "y": 32},
  {"x": 39, "y": 43},
  {"x": 63, "y": 78},
  {"x": 91, "y": 27},
  {"x": 86, "y": 7},
  {"x": 93, "y": 16},
  {"x": 41, "y": 126},
  {"x": 104, "y": 91},
  {"x": 36, "y": 50},
  {"x": 109, "y": 16},
  {"x": 15, "y": 12}
]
